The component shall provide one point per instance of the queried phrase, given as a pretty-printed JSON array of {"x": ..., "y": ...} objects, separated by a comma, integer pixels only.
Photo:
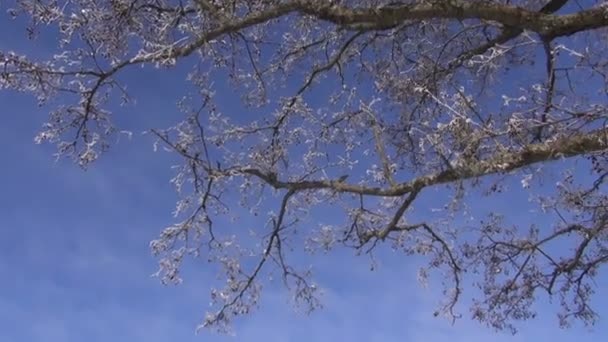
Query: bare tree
[{"x": 359, "y": 106}]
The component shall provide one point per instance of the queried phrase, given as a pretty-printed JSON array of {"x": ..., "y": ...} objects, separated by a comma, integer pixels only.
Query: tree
[{"x": 360, "y": 107}]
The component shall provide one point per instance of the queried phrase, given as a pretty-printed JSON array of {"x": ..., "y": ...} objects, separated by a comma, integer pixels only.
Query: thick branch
[
  {"x": 499, "y": 163},
  {"x": 549, "y": 25}
]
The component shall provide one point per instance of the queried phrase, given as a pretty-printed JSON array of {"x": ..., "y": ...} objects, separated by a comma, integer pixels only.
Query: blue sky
[{"x": 75, "y": 263}]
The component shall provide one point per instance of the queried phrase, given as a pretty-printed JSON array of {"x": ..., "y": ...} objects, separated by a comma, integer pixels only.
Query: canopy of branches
[{"x": 358, "y": 106}]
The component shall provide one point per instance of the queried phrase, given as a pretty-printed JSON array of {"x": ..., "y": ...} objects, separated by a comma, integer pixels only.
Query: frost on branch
[{"x": 311, "y": 125}]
